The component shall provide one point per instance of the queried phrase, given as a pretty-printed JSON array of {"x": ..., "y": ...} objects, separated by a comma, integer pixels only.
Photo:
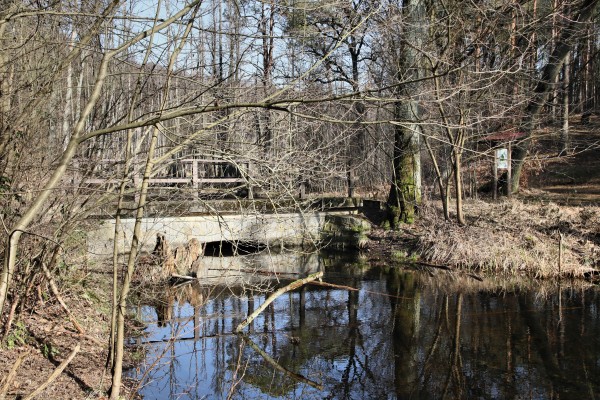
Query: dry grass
[{"x": 511, "y": 237}]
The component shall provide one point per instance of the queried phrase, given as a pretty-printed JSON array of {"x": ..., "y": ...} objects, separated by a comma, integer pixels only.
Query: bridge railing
[{"x": 195, "y": 173}]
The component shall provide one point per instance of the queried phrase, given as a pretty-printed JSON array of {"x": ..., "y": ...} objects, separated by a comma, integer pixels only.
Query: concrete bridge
[{"x": 291, "y": 229}]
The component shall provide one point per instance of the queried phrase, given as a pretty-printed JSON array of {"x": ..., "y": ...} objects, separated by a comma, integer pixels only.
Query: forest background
[{"x": 394, "y": 99}]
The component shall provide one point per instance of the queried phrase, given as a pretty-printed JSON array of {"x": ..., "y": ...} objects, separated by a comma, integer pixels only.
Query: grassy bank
[{"x": 507, "y": 237}]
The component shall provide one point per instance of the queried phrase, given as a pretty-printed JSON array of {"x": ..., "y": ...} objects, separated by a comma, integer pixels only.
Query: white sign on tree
[{"x": 502, "y": 159}]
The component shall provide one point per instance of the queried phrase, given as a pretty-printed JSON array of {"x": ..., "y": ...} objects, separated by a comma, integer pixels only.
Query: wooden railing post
[
  {"x": 195, "y": 182},
  {"x": 247, "y": 174}
]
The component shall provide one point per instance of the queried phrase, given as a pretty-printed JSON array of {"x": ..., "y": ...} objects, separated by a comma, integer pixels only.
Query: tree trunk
[
  {"x": 405, "y": 190},
  {"x": 10, "y": 253},
  {"x": 555, "y": 32},
  {"x": 564, "y": 132},
  {"x": 122, "y": 304},
  {"x": 458, "y": 185},
  {"x": 546, "y": 85},
  {"x": 588, "y": 80},
  {"x": 134, "y": 249},
  {"x": 439, "y": 180}
]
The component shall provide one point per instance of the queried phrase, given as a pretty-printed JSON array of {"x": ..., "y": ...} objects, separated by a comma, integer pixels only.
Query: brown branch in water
[
  {"x": 447, "y": 268},
  {"x": 280, "y": 368},
  {"x": 274, "y": 295},
  {"x": 54, "y": 374},
  {"x": 333, "y": 285},
  {"x": 426, "y": 264}
]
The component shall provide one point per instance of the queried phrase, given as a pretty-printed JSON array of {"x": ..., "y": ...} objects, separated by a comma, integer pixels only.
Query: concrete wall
[{"x": 271, "y": 229}]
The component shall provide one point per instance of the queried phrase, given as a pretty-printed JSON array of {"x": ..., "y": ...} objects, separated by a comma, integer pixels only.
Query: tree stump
[
  {"x": 184, "y": 260},
  {"x": 185, "y": 256},
  {"x": 164, "y": 256}
]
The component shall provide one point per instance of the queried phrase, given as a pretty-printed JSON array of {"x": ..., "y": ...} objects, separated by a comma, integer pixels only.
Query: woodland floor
[
  {"x": 572, "y": 179},
  {"x": 560, "y": 196},
  {"x": 517, "y": 236},
  {"x": 45, "y": 337}
]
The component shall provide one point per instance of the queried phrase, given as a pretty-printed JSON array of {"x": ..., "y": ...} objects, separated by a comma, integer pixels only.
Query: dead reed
[{"x": 512, "y": 237}]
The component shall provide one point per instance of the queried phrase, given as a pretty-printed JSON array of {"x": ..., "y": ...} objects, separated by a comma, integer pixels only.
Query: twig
[
  {"x": 278, "y": 367},
  {"x": 56, "y": 294},
  {"x": 353, "y": 289},
  {"x": 426, "y": 264},
  {"x": 333, "y": 285},
  {"x": 476, "y": 277},
  {"x": 234, "y": 379},
  {"x": 269, "y": 273},
  {"x": 55, "y": 374},
  {"x": 274, "y": 295},
  {"x": 560, "y": 254},
  {"x": 12, "y": 374}
]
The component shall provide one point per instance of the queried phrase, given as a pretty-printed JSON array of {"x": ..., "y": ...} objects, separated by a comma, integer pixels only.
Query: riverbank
[
  {"x": 44, "y": 337},
  {"x": 508, "y": 237}
]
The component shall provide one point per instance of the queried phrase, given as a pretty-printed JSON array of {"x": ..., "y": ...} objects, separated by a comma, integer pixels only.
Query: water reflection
[{"x": 401, "y": 335}]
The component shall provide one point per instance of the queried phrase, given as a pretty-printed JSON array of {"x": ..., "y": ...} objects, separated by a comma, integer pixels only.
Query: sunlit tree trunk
[
  {"x": 405, "y": 189},
  {"x": 457, "y": 165}
]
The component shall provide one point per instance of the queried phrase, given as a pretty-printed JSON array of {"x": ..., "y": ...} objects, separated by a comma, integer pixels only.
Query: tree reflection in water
[{"x": 404, "y": 334}]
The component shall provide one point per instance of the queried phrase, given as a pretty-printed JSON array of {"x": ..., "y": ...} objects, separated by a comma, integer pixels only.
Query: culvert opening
[{"x": 232, "y": 248}]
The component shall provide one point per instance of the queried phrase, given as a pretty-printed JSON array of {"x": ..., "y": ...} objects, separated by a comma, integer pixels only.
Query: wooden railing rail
[{"x": 193, "y": 172}]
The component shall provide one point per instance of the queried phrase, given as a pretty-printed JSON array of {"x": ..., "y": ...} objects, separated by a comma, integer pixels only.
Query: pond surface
[{"x": 401, "y": 335}]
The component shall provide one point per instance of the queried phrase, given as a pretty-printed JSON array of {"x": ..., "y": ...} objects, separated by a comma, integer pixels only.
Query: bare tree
[{"x": 581, "y": 14}]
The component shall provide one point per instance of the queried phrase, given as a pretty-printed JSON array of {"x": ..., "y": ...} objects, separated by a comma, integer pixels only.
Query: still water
[{"x": 402, "y": 334}]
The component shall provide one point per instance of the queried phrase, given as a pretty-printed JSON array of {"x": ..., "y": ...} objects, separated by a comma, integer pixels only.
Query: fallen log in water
[
  {"x": 276, "y": 294},
  {"x": 333, "y": 285}
]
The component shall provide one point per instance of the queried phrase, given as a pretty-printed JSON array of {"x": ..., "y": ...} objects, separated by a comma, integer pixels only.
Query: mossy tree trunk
[{"x": 405, "y": 189}]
